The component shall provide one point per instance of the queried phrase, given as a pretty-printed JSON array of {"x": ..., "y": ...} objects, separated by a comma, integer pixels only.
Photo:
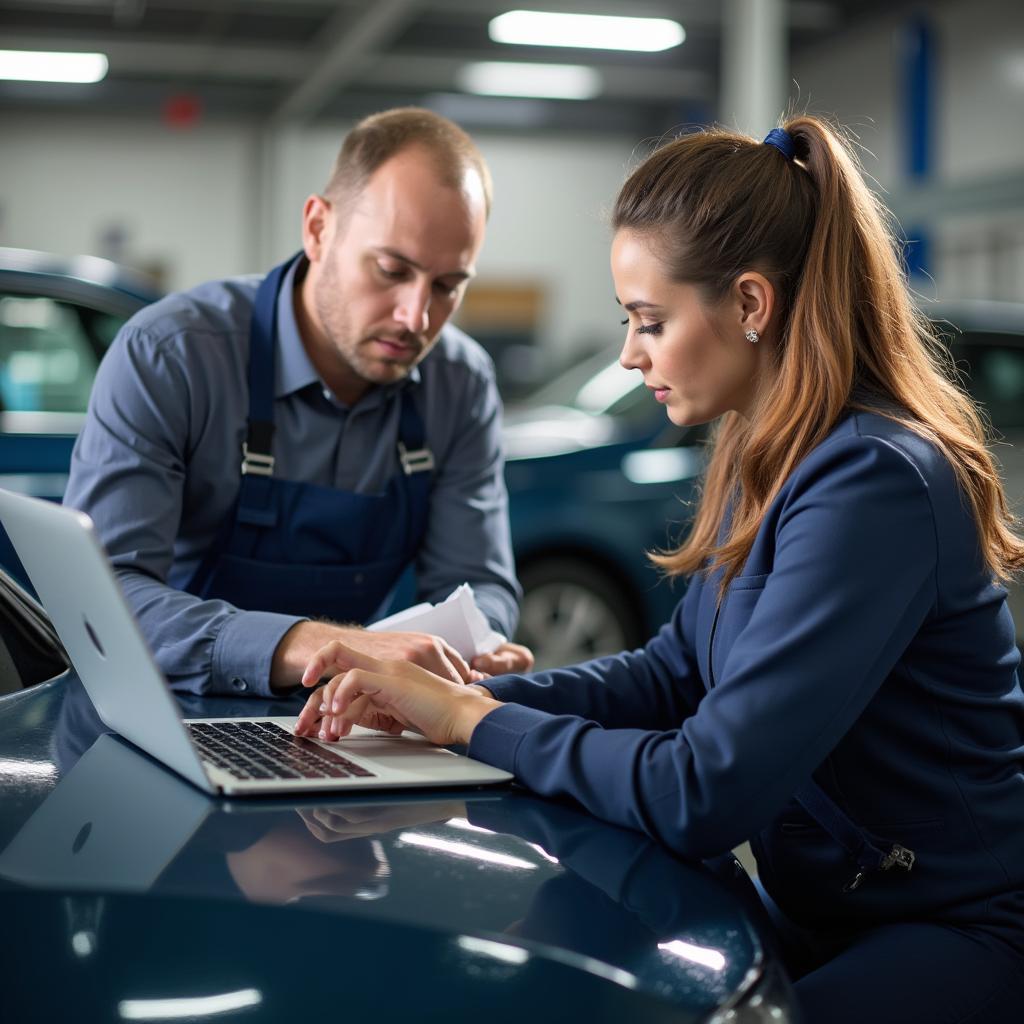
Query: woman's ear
[{"x": 755, "y": 301}]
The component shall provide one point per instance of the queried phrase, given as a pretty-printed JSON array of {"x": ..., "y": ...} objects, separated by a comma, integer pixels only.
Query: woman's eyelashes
[{"x": 645, "y": 328}]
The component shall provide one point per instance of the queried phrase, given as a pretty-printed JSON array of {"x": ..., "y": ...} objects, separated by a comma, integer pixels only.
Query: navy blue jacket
[{"x": 864, "y": 645}]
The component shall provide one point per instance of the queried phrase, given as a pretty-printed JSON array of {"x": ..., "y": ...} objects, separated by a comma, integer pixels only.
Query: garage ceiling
[{"x": 294, "y": 61}]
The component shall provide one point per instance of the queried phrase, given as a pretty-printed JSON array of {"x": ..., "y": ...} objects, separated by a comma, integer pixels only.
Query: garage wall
[
  {"x": 186, "y": 204},
  {"x": 222, "y": 198},
  {"x": 180, "y": 200},
  {"x": 976, "y": 195}
]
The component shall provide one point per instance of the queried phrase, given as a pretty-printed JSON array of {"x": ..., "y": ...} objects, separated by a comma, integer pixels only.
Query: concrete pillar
[{"x": 755, "y": 65}]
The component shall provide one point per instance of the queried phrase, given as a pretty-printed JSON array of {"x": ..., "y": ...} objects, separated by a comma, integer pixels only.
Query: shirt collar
[{"x": 293, "y": 369}]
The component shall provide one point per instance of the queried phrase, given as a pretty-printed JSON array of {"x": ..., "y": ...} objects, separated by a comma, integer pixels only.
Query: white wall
[
  {"x": 222, "y": 199},
  {"x": 183, "y": 198}
]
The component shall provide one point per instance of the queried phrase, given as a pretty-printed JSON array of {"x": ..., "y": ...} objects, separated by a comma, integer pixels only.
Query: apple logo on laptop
[{"x": 93, "y": 637}]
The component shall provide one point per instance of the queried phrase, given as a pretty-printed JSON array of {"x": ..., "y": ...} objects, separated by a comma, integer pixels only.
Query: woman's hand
[{"x": 386, "y": 695}]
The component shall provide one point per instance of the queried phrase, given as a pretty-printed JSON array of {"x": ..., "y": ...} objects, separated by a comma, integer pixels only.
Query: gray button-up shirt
[{"x": 157, "y": 467}]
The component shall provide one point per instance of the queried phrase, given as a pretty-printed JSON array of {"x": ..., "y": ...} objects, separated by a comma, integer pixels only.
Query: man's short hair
[{"x": 379, "y": 137}]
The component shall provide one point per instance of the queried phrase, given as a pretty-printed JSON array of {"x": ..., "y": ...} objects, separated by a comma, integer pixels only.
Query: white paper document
[{"x": 456, "y": 619}]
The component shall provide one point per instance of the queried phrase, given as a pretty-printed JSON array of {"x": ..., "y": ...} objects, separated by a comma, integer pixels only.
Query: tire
[{"x": 573, "y": 611}]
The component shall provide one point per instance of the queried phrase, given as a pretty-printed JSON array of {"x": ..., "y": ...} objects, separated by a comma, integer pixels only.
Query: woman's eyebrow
[{"x": 632, "y": 307}]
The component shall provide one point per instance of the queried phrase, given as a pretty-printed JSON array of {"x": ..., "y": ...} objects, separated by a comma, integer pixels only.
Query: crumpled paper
[{"x": 457, "y": 619}]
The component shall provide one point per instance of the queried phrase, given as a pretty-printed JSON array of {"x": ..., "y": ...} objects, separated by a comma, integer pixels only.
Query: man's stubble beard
[{"x": 345, "y": 346}]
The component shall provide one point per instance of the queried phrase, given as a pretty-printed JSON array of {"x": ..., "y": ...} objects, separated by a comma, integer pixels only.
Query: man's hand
[
  {"x": 304, "y": 639},
  {"x": 508, "y": 657}
]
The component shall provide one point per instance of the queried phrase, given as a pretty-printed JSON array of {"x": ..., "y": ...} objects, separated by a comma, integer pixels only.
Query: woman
[{"x": 839, "y": 684}]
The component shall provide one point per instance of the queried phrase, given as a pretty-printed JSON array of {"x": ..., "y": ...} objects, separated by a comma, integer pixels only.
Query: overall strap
[
  {"x": 413, "y": 452},
  {"x": 257, "y": 457},
  {"x": 257, "y": 448},
  {"x": 864, "y": 849}
]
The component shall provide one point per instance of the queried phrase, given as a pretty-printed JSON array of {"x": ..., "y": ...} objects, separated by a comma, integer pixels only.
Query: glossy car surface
[{"x": 133, "y": 895}]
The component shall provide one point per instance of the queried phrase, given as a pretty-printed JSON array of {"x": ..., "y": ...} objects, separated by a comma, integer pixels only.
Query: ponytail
[{"x": 716, "y": 204}]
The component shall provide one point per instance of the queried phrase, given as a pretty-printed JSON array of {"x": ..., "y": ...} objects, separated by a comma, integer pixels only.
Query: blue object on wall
[{"x": 919, "y": 72}]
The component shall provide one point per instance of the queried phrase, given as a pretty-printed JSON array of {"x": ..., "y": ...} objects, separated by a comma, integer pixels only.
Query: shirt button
[
  {"x": 239, "y": 684},
  {"x": 358, "y": 578}
]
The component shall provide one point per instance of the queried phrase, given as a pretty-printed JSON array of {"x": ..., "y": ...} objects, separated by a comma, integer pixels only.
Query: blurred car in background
[
  {"x": 57, "y": 318},
  {"x": 597, "y": 474}
]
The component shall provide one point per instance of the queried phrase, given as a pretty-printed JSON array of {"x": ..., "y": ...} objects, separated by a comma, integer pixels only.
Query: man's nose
[{"x": 413, "y": 308}]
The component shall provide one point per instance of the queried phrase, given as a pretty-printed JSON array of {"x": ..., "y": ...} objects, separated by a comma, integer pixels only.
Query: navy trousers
[{"x": 912, "y": 972}]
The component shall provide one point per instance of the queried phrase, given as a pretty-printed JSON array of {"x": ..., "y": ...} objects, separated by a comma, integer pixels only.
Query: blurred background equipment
[{"x": 187, "y": 150}]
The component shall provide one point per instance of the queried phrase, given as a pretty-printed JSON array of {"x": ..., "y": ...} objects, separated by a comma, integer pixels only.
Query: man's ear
[
  {"x": 317, "y": 222},
  {"x": 755, "y": 301}
]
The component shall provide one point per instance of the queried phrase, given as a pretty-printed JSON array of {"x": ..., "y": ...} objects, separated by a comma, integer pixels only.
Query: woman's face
[{"x": 694, "y": 358}]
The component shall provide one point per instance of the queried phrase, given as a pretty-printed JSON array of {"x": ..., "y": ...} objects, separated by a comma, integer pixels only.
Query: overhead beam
[{"x": 350, "y": 45}]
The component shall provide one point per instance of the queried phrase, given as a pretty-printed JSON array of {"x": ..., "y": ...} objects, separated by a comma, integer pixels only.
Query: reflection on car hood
[{"x": 555, "y": 430}]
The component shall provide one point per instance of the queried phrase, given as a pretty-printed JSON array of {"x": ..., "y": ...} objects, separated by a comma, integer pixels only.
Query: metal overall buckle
[
  {"x": 255, "y": 463},
  {"x": 897, "y": 857},
  {"x": 416, "y": 461}
]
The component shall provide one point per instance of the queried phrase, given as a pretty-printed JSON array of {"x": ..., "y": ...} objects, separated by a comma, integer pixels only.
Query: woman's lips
[{"x": 661, "y": 394}]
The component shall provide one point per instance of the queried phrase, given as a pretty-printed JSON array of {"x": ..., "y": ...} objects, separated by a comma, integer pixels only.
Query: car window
[
  {"x": 993, "y": 365},
  {"x": 49, "y": 352}
]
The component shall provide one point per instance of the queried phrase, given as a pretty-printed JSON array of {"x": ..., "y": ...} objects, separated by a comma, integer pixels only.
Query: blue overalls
[{"x": 303, "y": 549}]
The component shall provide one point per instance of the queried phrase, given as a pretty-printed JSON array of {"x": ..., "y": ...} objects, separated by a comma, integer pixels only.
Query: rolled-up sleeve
[{"x": 128, "y": 474}]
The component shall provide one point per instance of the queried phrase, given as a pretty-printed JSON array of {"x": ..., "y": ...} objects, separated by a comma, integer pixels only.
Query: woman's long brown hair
[{"x": 716, "y": 204}]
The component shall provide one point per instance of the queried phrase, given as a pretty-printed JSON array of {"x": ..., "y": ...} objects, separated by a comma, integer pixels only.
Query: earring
[{"x": 752, "y": 336}]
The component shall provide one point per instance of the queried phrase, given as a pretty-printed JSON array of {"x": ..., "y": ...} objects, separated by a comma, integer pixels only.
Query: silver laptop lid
[{"x": 72, "y": 576}]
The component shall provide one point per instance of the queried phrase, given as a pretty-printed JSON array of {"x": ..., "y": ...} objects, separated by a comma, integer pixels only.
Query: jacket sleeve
[
  {"x": 128, "y": 473},
  {"x": 852, "y": 580},
  {"x": 655, "y": 687}
]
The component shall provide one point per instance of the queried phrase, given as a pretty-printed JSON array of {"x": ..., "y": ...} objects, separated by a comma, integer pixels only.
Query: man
[{"x": 263, "y": 455}]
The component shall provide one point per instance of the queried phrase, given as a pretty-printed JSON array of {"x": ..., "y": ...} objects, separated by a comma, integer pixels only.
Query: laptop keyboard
[{"x": 262, "y": 750}]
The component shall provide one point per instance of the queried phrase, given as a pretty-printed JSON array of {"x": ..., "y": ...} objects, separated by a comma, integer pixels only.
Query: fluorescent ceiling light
[
  {"x": 586, "y": 31},
  {"x": 551, "y": 81},
  {"x": 42, "y": 66}
]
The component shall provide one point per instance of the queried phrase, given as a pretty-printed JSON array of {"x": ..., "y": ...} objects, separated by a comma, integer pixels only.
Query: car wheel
[{"x": 572, "y": 612}]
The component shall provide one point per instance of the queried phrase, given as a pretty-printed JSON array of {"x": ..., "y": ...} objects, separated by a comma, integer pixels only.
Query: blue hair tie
[{"x": 781, "y": 140}]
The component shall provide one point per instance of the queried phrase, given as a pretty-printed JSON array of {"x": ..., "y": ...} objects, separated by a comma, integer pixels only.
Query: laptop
[{"x": 75, "y": 581}]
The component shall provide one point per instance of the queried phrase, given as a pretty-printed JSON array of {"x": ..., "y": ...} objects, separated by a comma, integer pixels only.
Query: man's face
[{"x": 387, "y": 271}]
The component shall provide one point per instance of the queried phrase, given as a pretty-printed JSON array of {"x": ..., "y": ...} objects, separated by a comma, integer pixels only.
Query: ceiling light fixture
[
  {"x": 550, "y": 81},
  {"x": 44, "y": 66},
  {"x": 586, "y": 31}
]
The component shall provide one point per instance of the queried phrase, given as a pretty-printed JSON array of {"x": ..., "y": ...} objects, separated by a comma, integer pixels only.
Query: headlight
[{"x": 768, "y": 1000}]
